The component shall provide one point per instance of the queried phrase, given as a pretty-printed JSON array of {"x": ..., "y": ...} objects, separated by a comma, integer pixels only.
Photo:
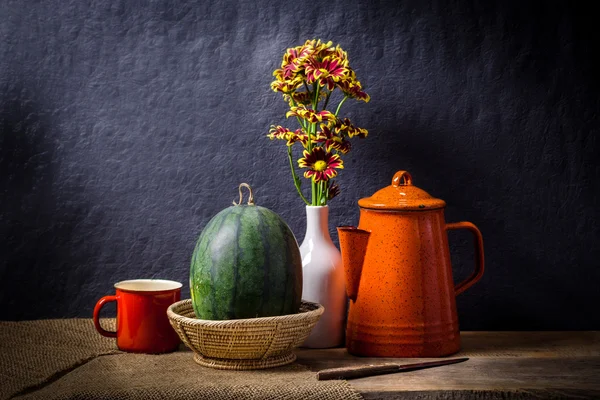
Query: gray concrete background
[{"x": 125, "y": 126}]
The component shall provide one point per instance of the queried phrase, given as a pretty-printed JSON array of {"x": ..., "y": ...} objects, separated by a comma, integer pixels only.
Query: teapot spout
[{"x": 353, "y": 246}]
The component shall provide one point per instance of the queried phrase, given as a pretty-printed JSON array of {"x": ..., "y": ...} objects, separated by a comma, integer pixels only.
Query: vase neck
[{"x": 317, "y": 221}]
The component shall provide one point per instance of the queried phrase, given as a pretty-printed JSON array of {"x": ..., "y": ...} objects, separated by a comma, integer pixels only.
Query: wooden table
[
  {"x": 69, "y": 355},
  {"x": 521, "y": 365}
]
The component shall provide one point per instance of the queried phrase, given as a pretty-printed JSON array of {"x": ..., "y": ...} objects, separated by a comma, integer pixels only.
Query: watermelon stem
[{"x": 250, "y": 199}]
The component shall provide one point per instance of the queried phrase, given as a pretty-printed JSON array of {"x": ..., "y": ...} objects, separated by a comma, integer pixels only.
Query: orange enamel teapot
[{"x": 399, "y": 276}]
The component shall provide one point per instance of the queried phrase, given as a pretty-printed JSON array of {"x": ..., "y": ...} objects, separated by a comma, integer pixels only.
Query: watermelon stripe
[
  {"x": 236, "y": 271},
  {"x": 202, "y": 296},
  {"x": 264, "y": 237},
  {"x": 213, "y": 270},
  {"x": 288, "y": 261},
  {"x": 252, "y": 254}
]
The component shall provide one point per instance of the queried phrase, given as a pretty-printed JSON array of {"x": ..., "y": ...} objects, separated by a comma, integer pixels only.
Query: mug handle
[
  {"x": 99, "y": 305},
  {"x": 479, "y": 260}
]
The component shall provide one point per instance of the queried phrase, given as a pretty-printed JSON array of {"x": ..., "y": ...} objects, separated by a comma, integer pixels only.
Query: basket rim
[{"x": 302, "y": 315}]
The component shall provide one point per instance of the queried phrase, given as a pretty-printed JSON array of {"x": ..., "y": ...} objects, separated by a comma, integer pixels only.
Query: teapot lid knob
[
  {"x": 398, "y": 176},
  {"x": 401, "y": 195}
]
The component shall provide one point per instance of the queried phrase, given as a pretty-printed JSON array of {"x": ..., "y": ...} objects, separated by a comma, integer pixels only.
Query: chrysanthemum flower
[
  {"x": 333, "y": 190},
  {"x": 354, "y": 92},
  {"x": 345, "y": 127},
  {"x": 320, "y": 49},
  {"x": 279, "y": 132},
  {"x": 340, "y": 55},
  {"x": 321, "y": 164},
  {"x": 327, "y": 71},
  {"x": 299, "y": 97},
  {"x": 286, "y": 86},
  {"x": 332, "y": 140},
  {"x": 292, "y": 61},
  {"x": 352, "y": 87},
  {"x": 310, "y": 115}
]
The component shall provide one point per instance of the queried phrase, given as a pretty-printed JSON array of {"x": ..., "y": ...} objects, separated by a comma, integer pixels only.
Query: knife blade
[{"x": 370, "y": 370}]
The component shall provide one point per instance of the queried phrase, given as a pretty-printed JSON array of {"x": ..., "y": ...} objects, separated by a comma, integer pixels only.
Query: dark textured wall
[{"x": 126, "y": 125}]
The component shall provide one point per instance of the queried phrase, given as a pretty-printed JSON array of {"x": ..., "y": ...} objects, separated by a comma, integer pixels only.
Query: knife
[{"x": 370, "y": 370}]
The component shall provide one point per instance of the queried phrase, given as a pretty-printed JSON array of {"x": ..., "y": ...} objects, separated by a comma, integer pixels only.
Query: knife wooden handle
[{"x": 356, "y": 372}]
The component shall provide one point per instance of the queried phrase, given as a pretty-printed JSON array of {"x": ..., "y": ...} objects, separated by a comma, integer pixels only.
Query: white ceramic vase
[{"x": 323, "y": 279}]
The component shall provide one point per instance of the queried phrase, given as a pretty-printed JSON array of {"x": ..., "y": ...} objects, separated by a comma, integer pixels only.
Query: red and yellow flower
[
  {"x": 321, "y": 164},
  {"x": 333, "y": 190},
  {"x": 332, "y": 140},
  {"x": 352, "y": 87},
  {"x": 310, "y": 115},
  {"x": 340, "y": 54},
  {"x": 320, "y": 49},
  {"x": 286, "y": 86},
  {"x": 354, "y": 91},
  {"x": 327, "y": 71},
  {"x": 279, "y": 132},
  {"x": 301, "y": 97},
  {"x": 345, "y": 127},
  {"x": 294, "y": 58},
  {"x": 292, "y": 61}
]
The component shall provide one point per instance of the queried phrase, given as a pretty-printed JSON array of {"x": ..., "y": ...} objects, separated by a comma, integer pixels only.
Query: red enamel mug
[{"x": 142, "y": 322}]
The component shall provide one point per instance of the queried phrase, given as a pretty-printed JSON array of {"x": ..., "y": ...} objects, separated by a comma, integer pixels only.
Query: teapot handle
[{"x": 479, "y": 260}]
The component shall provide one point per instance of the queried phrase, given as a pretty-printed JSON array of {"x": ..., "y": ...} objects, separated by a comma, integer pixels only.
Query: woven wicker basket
[{"x": 243, "y": 344}]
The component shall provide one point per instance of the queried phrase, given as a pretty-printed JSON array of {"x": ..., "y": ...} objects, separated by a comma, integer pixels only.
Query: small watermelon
[{"x": 246, "y": 264}]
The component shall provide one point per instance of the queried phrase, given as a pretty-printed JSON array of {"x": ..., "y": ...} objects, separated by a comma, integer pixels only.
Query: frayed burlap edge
[
  {"x": 34, "y": 353},
  {"x": 62, "y": 359}
]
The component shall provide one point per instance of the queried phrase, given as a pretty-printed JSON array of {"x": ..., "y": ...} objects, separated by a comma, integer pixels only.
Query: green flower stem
[
  {"x": 323, "y": 193},
  {"x": 294, "y": 176},
  {"x": 314, "y": 186},
  {"x": 298, "y": 118},
  {"x": 297, "y": 182},
  {"x": 313, "y": 129},
  {"x": 316, "y": 99},
  {"x": 316, "y": 105},
  {"x": 301, "y": 124},
  {"x": 340, "y": 105}
]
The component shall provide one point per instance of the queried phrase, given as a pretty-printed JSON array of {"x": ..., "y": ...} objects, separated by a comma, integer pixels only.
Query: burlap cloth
[{"x": 68, "y": 359}]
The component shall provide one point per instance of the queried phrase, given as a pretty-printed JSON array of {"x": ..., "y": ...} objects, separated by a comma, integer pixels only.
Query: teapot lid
[{"x": 401, "y": 195}]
